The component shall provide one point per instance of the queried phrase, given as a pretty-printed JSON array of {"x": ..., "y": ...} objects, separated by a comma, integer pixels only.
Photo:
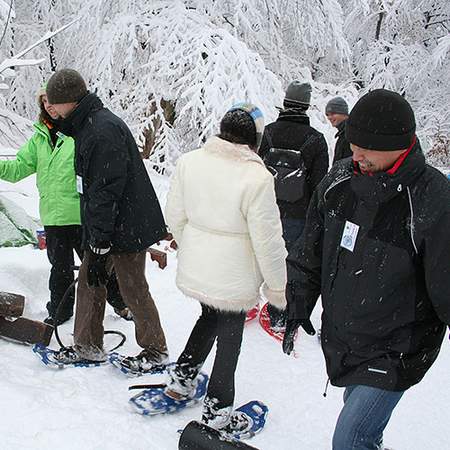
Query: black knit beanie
[
  {"x": 381, "y": 120},
  {"x": 66, "y": 86}
]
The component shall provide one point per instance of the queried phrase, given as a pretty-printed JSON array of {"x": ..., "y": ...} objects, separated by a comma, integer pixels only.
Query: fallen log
[
  {"x": 11, "y": 305},
  {"x": 26, "y": 330}
]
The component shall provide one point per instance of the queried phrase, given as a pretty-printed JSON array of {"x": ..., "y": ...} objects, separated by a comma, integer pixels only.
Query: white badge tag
[
  {"x": 349, "y": 235},
  {"x": 79, "y": 184}
]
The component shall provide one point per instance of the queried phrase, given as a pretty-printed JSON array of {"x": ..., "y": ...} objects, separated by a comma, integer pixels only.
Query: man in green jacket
[{"x": 50, "y": 154}]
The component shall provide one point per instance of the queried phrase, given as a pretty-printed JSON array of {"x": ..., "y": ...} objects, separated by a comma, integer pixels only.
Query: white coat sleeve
[
  {"x": 264, "y": 225},
  {"x": 175, "y": 211}
]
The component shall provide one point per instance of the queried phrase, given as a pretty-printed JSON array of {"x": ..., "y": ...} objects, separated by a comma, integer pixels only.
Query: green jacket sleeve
[{"x": 24, "y": 164}]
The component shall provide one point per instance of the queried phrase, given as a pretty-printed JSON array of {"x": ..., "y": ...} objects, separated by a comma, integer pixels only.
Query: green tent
[{"x": 17, "y": 228}]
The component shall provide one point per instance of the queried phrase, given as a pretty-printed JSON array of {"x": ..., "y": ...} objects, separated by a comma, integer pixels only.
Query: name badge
[
  {"x": 349, "y": 235},
  {"x": 79, "y": 184}
]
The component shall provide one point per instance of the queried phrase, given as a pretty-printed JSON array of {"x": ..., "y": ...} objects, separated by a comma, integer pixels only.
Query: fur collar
[{"x": 228, "y": 150}]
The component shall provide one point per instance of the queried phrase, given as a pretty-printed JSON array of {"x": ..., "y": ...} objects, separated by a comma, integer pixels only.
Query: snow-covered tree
[
  {"x": 404, "y": 45},
  {"x": 146, "y": 62},
  {"x": 171, "y": 68}
]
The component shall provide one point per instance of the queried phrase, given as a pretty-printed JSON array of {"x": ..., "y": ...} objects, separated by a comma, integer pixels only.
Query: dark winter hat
[
  {"x": 298, "y": 95},
  {"x": 337, "y": 105},
  {"x": 243, "y": 123},
  {"x": 381, "y": 120},
  {"x": 66, "y": 86}
]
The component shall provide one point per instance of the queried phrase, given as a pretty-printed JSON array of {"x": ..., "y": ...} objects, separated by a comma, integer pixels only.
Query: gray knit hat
[
  {"x": 298, "y": 95},
  {"x": 337, "y": 105},
  {"x": 66, "y": 86}
]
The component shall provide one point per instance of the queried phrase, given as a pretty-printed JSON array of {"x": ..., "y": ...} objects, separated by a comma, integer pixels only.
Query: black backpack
[{"x": 289, "y": 171}]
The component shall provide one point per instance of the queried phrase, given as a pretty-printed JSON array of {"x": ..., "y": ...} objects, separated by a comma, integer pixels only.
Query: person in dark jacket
[
  {"x": 297, "y": 155},
  {"x": 121, "y": 217},
  {"x": 376, "y": 247},
  {"x": 50, "y": 155},
  {"x": 337, "y": 113}
]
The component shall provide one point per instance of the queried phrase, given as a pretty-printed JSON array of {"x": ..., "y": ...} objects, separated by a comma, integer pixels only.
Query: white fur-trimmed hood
[{"x": 229, "y": 150}]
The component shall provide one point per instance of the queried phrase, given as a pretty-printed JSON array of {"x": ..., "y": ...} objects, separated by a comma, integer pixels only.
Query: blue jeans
[{"x": 364, "y": 417}]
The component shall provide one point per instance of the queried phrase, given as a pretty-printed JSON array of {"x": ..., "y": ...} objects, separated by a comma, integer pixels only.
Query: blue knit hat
[{"x": 245, "y": 122}]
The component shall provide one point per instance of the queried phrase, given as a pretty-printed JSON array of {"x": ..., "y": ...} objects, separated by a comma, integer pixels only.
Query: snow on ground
[{"x": 88, "y": 408}]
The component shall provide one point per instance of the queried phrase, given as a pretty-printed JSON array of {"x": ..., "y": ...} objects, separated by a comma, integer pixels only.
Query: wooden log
[
  {"x": 11, "y": 305},
  {"x": 159, "y": 256},
  {"x": 26, "y": 330}
]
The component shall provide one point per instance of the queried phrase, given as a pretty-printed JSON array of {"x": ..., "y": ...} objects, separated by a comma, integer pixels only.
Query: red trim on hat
[{"x": 401, "y": 158}]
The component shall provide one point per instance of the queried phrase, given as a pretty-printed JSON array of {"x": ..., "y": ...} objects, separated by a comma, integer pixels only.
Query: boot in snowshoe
[
  {"x": 68, "y": 357},
  {"x": 147, "y": 362}
]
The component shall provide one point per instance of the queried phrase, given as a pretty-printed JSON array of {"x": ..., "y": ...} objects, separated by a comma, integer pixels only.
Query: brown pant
[{"x": 90, "y": 306}]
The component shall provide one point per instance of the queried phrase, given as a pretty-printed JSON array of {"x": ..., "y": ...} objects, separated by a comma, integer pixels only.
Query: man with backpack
[{"x": 297, "y": 156}]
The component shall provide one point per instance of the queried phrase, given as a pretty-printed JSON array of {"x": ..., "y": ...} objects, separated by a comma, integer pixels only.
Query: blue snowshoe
[{"x": 154, "y": 400}]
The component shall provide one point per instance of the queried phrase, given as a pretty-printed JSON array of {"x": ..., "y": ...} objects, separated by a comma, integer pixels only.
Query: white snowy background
[
  {"x": 87, "y": 408},
  {"x": 170, "y": 69}
]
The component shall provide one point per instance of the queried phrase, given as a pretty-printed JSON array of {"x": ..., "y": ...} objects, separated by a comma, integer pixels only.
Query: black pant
[
  {"x": 227, "y": 327},
  {"x": 61, "y": 242},
  {"x": 292, "y": 230}
]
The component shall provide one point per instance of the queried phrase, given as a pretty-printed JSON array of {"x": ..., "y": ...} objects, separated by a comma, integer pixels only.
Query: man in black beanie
[
  {"x": 121, "y": 217},
  {"x": 297, "y": 155},
  {"x": 337, "y": 114},
  {"x": 376, "y": 247}
]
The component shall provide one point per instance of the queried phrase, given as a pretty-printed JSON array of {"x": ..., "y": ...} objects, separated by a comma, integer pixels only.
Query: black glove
[
  {"x": 291, "y": 330},
  {"x": 277, "y": 316},
  {"x": 97, "y": 275}
]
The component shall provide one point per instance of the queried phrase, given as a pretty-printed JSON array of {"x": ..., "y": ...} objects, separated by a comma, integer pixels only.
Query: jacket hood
[
  {"x": 72, "y": 124},
  {"x": 229, "y": 150}
]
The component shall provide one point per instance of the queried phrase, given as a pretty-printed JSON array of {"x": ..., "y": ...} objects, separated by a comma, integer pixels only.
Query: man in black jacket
[
  {"x": 121, "y": 217},
  {"x": 337, "y": 113},
  {"x": 297, "y": 156},
  {"x": 376, "y": 246}
]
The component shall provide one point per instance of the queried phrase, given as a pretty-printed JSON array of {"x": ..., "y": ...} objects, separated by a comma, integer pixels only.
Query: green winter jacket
[{"x": 55, "y": 175}]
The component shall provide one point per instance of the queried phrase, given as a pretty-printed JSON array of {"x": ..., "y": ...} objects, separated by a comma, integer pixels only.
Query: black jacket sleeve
[
  {"x": 107, "y": 173},
  {"x": 319, "y": 165},
  {"x": 304, "y": 264},
  {"x": 436, "y": 263}
]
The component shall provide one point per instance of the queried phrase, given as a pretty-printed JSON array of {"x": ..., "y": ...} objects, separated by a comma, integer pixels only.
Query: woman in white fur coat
[{"x": 223, "y": 214}]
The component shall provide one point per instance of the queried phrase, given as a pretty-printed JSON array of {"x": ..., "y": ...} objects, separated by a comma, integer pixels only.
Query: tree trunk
[{"x": 151, "y": 132}]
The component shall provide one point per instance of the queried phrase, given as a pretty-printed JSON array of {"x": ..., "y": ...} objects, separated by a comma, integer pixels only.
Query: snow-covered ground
[{"x": 88, "y": 408}]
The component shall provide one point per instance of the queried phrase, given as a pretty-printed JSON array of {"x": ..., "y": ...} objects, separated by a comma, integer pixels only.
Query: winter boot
[
  {"x": 214, "y": 417},
  {"x": 77, "y": 353},
  {"x": 50, "y": 320},
  {"x": 239, "y": 424},
  {"x": 149, "y": 360},
  {"x": 181, "y": 382}
]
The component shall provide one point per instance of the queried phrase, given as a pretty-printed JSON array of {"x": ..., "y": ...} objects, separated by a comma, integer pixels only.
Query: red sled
[{"x": 252, "y": 313}]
